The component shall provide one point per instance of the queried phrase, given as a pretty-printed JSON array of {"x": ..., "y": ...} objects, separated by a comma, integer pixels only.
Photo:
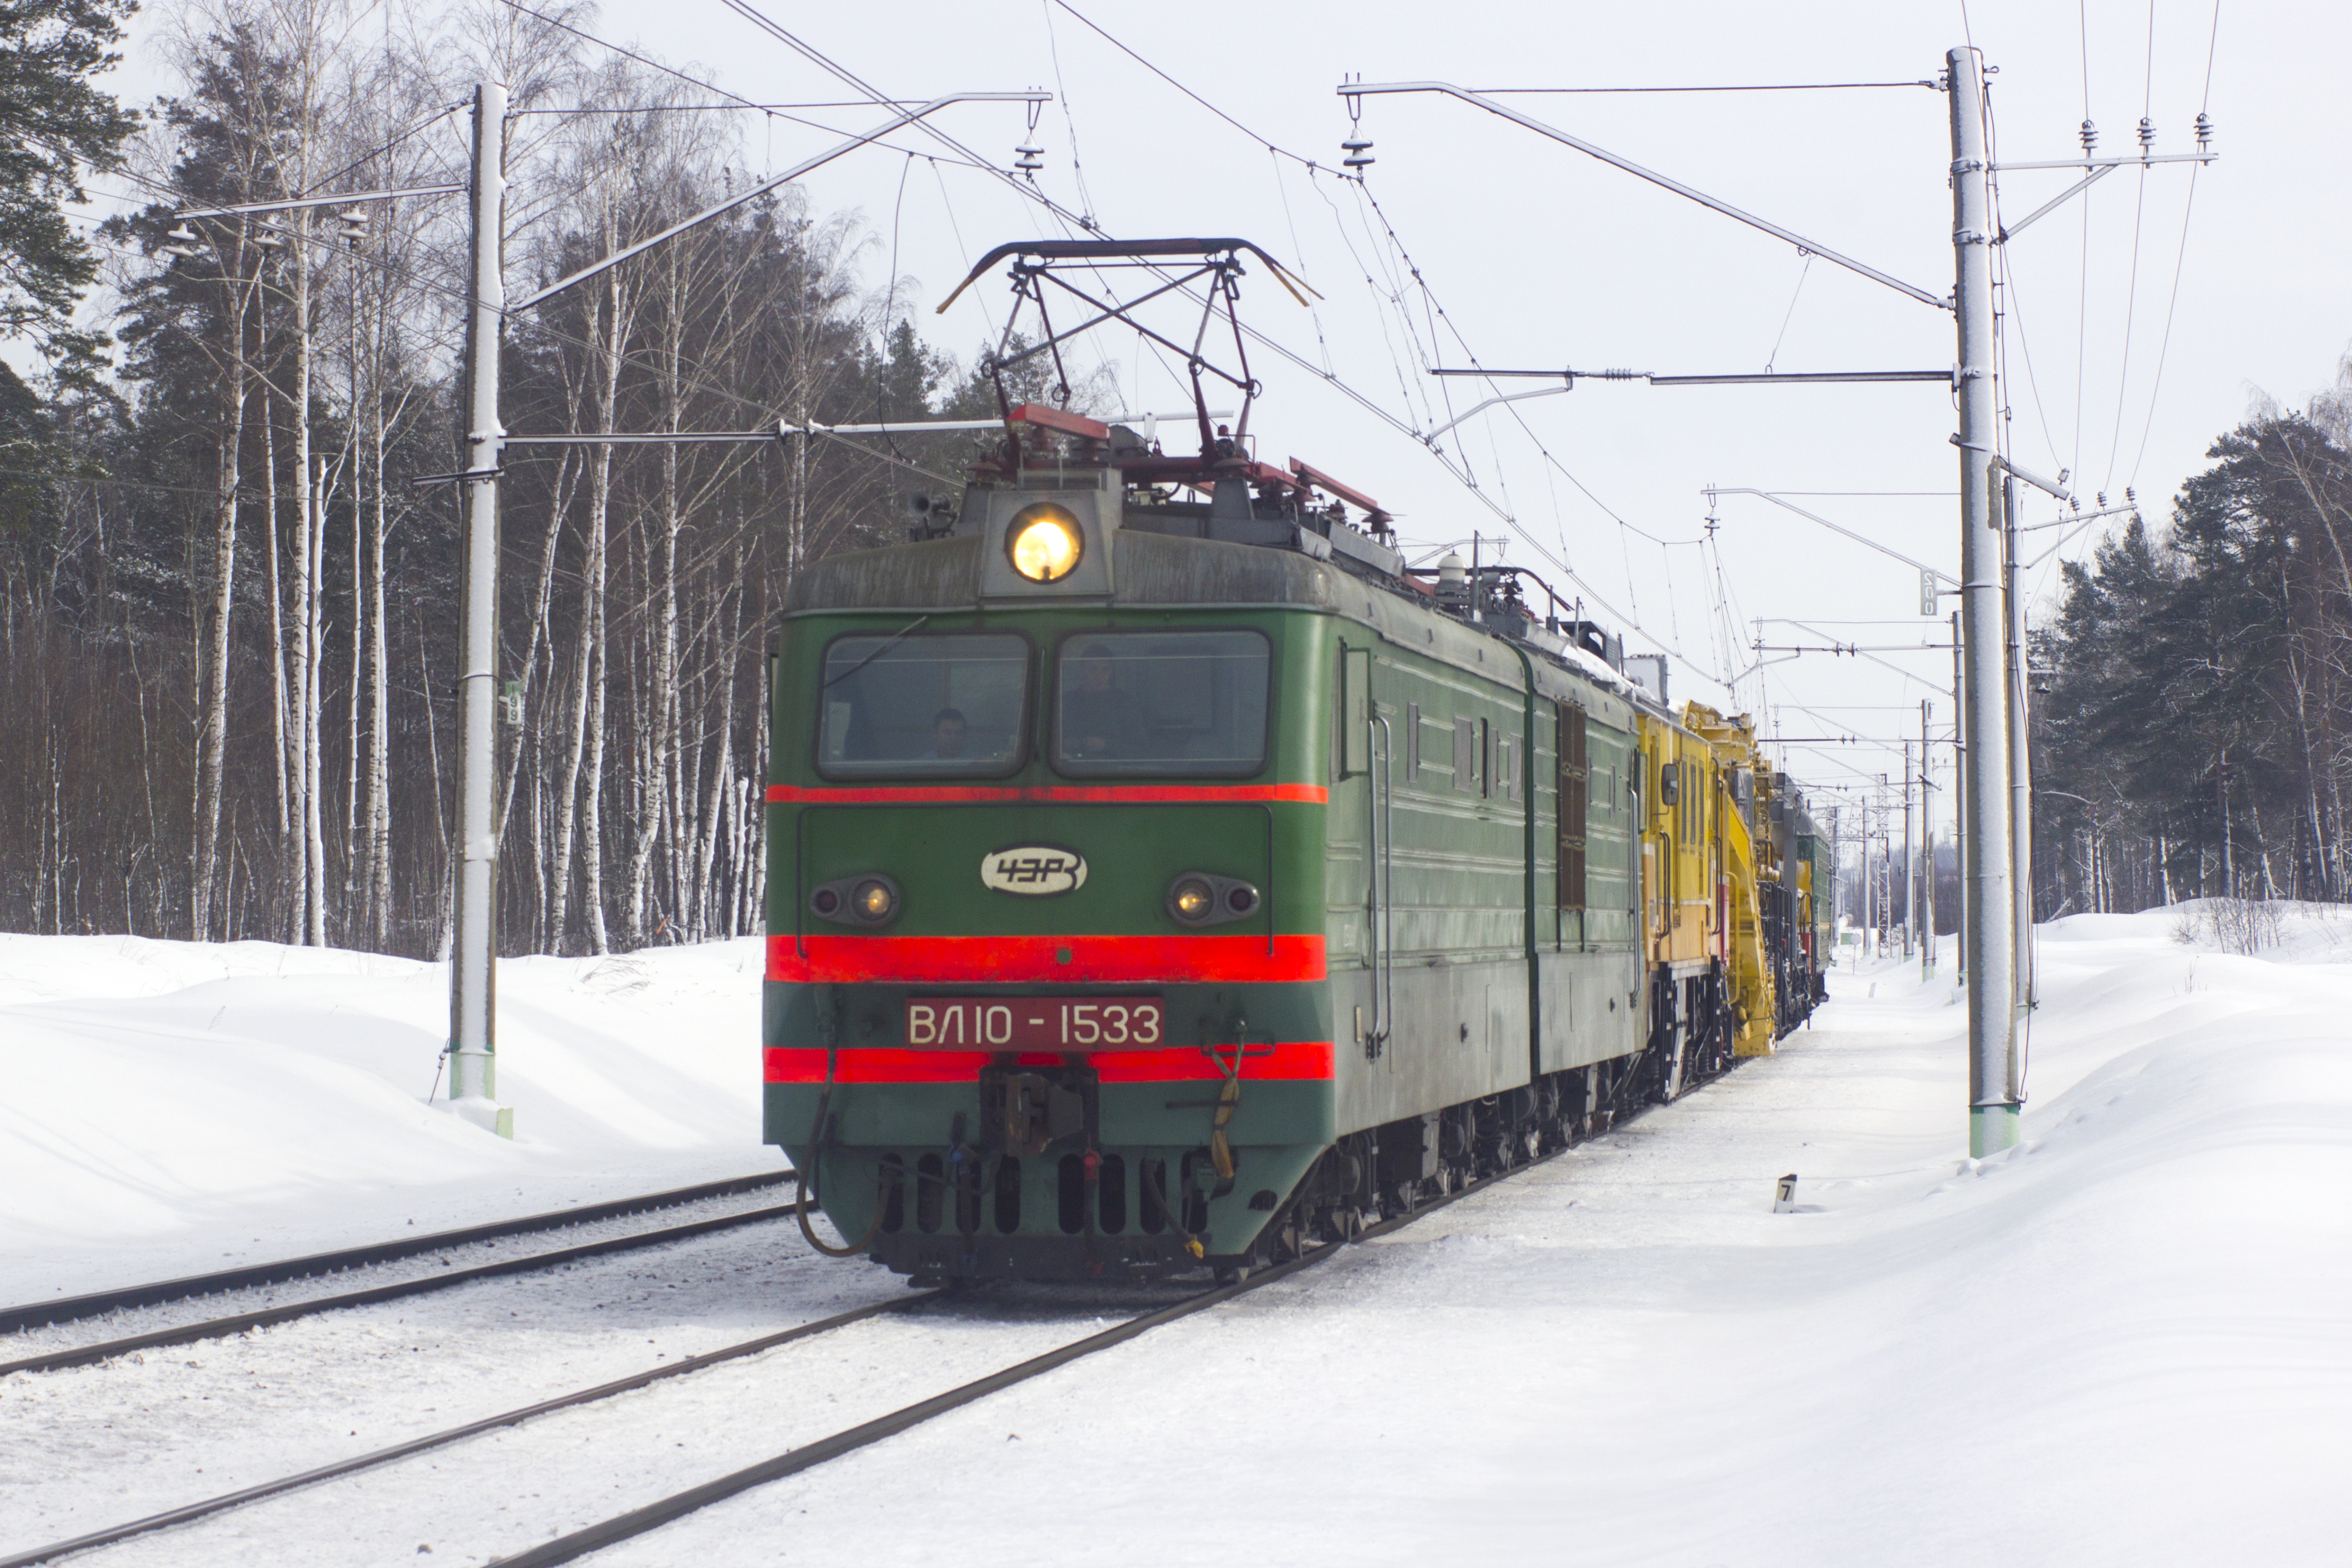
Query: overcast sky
[{"x": 1542, "y": 257}]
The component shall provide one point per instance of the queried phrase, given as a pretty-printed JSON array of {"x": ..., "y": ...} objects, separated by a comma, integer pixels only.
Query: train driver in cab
[
  {"x": 947, "y": 736},
  {"x": 1098, "y": 720}
]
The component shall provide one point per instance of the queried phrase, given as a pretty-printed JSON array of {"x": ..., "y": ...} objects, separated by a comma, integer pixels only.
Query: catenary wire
[
  {"x": 2179, "y": 259},
  {"x": 817, "y": 58},
  {"x": 2131, "y": 292}
]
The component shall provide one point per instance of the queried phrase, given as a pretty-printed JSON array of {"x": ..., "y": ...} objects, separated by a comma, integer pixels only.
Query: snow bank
[{"x": 170, "y": 1103}]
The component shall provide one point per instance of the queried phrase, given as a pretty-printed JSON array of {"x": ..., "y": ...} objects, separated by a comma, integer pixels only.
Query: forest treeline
[
  {"x": 228, "y": 607},
  {"x": 2192, "y": 696},
  {"x": 227, "y": 604}
]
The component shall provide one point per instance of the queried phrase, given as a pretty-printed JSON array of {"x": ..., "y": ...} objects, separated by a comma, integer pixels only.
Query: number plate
[{"x": 1036, "y": 1023}]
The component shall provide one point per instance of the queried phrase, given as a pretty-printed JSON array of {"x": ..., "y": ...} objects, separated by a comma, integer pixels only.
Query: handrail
[{"x": 1380, "y": 902}]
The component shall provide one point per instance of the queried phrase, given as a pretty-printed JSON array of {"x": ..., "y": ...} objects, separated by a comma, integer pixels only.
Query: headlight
[
  {"x": 1206, "y": 899},
  {"x": 873, "y": 901},
  {"x": 868, "y": 901},
  {"x": 1191, "y": 900},
  {"x": 1045, "y": 542}
]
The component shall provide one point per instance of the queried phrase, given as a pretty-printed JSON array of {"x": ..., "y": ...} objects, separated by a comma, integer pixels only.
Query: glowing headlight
[
  {"x": 1045, "y": 542},
  {"x": 1191, "y": 900},
  {"x": 1203, "y": 898},
  {"x": 873, "y": 901}
]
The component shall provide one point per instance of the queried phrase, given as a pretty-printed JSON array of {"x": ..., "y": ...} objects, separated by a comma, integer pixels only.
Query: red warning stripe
[
  {"x": 1294, "y": 1061},
  {"x": 831, "y": 959},
  {"x": 1047, "y": 794}
]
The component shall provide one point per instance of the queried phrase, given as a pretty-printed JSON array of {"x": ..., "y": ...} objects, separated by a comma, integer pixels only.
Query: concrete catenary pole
[
  {"x": 1837, "y": 885},
  {"x": 1984, "y": 719},
  {"x": 473, "y": 978},
  {"x": 1959, "y": 814},
  {"x": 2021, "y": 765},
  {"x": 1926, "y": 853},
  {"x": 1910, "y": 861}
]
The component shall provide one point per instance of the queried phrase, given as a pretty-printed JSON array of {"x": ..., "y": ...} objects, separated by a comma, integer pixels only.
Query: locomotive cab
[{"x": 1044, "y": 909}]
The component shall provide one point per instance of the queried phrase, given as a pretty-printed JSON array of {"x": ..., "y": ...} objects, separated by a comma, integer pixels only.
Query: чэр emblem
[{"x": 1033, "y": 870}]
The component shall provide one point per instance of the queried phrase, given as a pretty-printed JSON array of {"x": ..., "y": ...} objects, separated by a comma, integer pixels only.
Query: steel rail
[
  {"x": 641, "y": 1521},
  {"x": 220, "y": 1328},
  {"x": 793, "y": 1461},
  {"x": 189, "y": 1514},
  {"x": 40, "y": 1314}
]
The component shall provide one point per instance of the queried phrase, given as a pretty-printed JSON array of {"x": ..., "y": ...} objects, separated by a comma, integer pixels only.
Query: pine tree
[{"x": 55, "y": 124}]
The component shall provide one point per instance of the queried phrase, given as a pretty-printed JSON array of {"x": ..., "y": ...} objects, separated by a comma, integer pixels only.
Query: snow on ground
[
  {"x": 173, "y": 1106},
  {"x": 2128, "y": 1341}
]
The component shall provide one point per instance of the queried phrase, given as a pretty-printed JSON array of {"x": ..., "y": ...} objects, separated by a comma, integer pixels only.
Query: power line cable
[
  {"x": 1180, "y": 87},
  {"x": 2083, "y": 281},
  {"x": 1069, "y": 121},
  {"x": 735, "y": 98},
  {"x": 1635, "y": 620},
  {"x": 1791, "y": 314},
  {"x": 2179, "y": 259},
  {"x": 817, "y": 58},
  {"x": 2131, "y": 294},
  {"x": 2025, "y": 346}
]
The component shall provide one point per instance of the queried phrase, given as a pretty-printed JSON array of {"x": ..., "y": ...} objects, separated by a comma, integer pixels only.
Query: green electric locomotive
[{"x": 1161, "y": 875}]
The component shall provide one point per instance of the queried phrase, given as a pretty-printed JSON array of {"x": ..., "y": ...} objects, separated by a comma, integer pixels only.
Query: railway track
[
  {"x": 70, "y": 1308},
  {"x": 793, "y": 1461},
  {"x": 240, "y": 1322},
  {"x": 191, "y": 1512}
]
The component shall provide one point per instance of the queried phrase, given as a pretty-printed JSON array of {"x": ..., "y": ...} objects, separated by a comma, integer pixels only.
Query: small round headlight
[
  {"x": 1191, "y": 900},
  {"x": 1241, "y": 899},
  {"x": 825, "y": 901},
  {"x": 1045, "y": 542},
  {"x": 873, "y": 901}
]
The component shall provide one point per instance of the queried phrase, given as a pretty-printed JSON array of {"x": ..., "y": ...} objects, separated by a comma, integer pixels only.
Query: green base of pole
[
  {"x": 473, "y": 1092},
  {"x": 1991, "y": 1128}
]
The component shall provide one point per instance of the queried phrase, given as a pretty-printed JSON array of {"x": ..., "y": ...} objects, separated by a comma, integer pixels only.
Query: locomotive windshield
[
  {"x": 1161, "y": 702},
  {"x": 909, "y": 706}
]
